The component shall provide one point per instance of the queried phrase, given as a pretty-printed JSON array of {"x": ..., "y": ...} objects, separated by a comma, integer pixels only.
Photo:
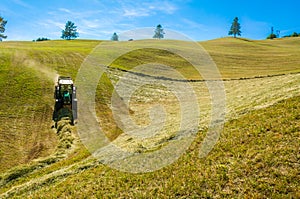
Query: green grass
[
  {"x": 235, "y": 58},
  {"x": 238, "y": 58},
  {"x": 256, "y": 156},
  {"x": 27, "y": 72},
  {"x": 150, "y": 55}
]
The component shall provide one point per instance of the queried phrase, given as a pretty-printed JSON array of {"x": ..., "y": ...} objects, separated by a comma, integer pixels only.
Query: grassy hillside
[
  {"x": 257, "y": 160},
  {"x": 256, "y": 155},
  {"x": 235, "y": 58},
  {"x": 265, "y": 85},
  {"x": 238, "y": 58},
  {"x": 27, "y": 73}
]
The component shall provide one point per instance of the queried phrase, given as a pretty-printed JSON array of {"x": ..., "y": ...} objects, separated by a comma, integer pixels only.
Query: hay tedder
[{"x": 65, "y": 100}]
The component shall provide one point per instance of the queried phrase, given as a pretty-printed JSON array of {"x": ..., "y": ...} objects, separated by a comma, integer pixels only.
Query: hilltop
[{"x": 240, "y": 57}]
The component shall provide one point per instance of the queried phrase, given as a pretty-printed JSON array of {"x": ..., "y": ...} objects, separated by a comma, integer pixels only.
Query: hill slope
[
  {"x": 27, "y": 72},
  {"x": 238, "y": 58},
  {"x": 256, "y": 156}
]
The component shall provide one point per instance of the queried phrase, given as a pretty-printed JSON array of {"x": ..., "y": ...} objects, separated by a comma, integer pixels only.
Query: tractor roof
[{"x": 65, "y": 80}]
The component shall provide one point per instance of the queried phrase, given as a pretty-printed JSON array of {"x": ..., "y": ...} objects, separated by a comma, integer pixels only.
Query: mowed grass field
[
  {"x": 27, "y": 74},
  {"x": 257, "y": 154}
]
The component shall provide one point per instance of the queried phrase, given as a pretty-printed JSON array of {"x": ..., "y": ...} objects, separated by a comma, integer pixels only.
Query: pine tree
[
  {"x": 235, "y": 28},
  {"x": 159, "y": 32},
  {"x": 2, "y": 28},
  {"x": 115, "y": 37},
  {"x": 70, "y": 31}
]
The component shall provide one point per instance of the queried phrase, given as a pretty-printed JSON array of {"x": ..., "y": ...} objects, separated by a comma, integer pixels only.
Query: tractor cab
[
  {"x": 65, "y": 99},
  {"x": 64, "y": 90}
]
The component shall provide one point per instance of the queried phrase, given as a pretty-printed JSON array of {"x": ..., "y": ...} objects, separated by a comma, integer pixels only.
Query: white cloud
[
  {"x": 129, "y": 12},
  {"x": 193, "y": 25},
  {"x": 90, "y": 24},
  {"x": 22, "y": 3},
  {"x": 78, "y": 14},
  {"x": 146, "y": 8},
  {"x": 162, "y": 6},
  {"x": 65, "y": 10},
  {"x": 50, "y": 23}
]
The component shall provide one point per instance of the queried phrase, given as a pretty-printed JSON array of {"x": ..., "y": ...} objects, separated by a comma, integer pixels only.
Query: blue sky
[{"x": 99, "y": 19}]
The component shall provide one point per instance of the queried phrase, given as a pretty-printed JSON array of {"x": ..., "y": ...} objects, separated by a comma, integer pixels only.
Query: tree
[
  {"x": 159, "y": 32},
  {"x": 294, "y": 34},
  {"x": 2, "y": 28},
  {"x": 115, "y": 37},
  {"x": 235, "y": 28},
  {"x": 70, "y": 31},
  {"x": 272, "y": 35},
  {"x": 42, "y": 39}
]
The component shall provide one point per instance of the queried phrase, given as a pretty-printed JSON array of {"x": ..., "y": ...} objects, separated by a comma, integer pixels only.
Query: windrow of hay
[
  {"x": 67, "y": 144},
  {"x": 242, "y": 97}
]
